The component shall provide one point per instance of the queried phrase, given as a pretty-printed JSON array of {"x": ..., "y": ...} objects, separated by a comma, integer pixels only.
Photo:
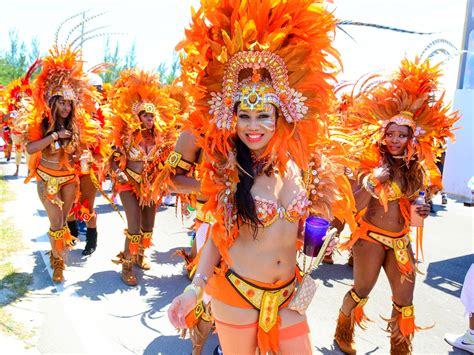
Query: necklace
[{"x": 262, "y": 165}]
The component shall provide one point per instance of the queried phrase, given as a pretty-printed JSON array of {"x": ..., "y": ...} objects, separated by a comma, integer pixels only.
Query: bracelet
[
  {"x": 197, "y": 290},
  {"x": 372, "y": 181},
  {"x": 369, "y": 187},
  {"x": 55, "y": 136},
  {"x": 118, "y": 171},
  {"x": 202, "y": 277}
]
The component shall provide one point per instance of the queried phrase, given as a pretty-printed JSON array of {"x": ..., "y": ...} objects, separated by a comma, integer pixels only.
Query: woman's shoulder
[{"x": 293, "y": 170}]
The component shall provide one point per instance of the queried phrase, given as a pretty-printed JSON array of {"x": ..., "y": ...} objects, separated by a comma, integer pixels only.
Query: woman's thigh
[
  {"x": 55, "y": 214},
  {"x": 68, "y": 195},
  {"x": 132, "y": 211},
  {"x": 294, "y": 333},
  {"x": 237, "y": 339},
  {"x": 368, "y": 261},
  {"x": 88, "y": 191},
  {"x": 402, "y": 286},
  {"x": 148, "y": 218}
]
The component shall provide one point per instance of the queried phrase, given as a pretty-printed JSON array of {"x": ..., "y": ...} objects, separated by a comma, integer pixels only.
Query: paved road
[{"x": 94, "y": 312}]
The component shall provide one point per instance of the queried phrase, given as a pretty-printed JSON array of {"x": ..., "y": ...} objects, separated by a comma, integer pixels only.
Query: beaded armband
[{"x": 175, "y": 159}]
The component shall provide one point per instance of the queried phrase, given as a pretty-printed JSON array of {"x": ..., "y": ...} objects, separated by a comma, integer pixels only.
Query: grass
[{"x": 13, "y": 284}]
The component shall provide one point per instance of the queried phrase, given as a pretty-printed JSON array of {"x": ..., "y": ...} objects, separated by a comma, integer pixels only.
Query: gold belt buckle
[
  {"x": 52, "y": 186},
  {"x": 269, "y": 310}
]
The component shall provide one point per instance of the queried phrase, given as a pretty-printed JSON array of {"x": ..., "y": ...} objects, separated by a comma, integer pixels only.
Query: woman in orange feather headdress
[
  {"x": 17, "y": 90},
  {"x": 259, "y": 74},
  {"x": 401, "y": 121},
  {"x": 141, "y": 131},
  {"x": 57, "y": 125}
]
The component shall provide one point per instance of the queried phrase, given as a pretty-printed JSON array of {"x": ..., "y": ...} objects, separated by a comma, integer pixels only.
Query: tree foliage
[{"x": 15, "y": 61}]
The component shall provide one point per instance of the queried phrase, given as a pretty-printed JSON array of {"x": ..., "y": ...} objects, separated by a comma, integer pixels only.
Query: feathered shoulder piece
[
  {"x": 256, "y": 53},
  {"x": 20, "y": 88}
]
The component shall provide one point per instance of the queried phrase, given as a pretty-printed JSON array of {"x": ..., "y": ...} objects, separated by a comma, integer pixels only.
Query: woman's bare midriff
[
  {"x": 268, "y": 258},
  {"x": 391, "y": 221},
  {"x": 52, "y": 160}
]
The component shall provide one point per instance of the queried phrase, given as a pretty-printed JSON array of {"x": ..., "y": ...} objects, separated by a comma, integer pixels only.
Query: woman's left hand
[
  {"x": 333, "y": 243},
  {"x": 423, "y": 210}
]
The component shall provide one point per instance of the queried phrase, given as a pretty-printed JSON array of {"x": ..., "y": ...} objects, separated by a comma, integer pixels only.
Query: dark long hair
[
  {"x": 411, "y": 172},
  {"x": 246, "y": 209}
]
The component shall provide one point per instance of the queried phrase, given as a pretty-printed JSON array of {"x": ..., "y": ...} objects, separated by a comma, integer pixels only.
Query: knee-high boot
[
  {"x": 91, "y": 241},
  {"x": 402, "y": 329},
  {"x": 344, "y": 336}
]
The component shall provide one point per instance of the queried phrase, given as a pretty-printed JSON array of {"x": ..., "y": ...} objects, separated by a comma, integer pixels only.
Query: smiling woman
[
  {"x": 256, "y": 128},
  {"x": 260, "y": 119}
]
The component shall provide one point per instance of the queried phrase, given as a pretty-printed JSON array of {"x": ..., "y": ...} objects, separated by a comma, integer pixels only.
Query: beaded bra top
[
  {"x": 269, "y": 211},
  {"x": 394, "y": 192},
  {"x": 137, "y": 153}
]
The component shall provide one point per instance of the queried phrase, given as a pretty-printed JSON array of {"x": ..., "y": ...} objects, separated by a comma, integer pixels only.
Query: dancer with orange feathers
[
  {"x": 57, "y": 125},
  {"x": 400, "y": 122},
  {"x": 141, "y": 132},
  {"x": 260, "y": 74},
  {"x": 17, "y": 90}
]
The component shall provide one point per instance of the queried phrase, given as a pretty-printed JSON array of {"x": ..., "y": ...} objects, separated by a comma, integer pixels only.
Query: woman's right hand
[
  {"x": 382, "y": 173},
  {"x": 121, "y": 176},
  {"x": 180, "y": 308},
  {"x": 63, "y": 133}
]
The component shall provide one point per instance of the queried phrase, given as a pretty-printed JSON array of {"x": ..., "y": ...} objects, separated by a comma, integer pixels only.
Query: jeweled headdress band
[
  {"x": 404, "y": 118},
  {"x": 291, "y": 102},
  {"x": 65, "y": 91},
  {"x": 256, "y": 96},
  {"x": 147, "y": 107}
]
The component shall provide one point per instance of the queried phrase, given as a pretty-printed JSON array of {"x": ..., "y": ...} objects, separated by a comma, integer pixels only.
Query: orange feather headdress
[
  {"x": 411, "y": 98},
  {"x": 61, "y": 74},
  {"x": 138, "y": 91},
  {"x": 256, "y": 52}
]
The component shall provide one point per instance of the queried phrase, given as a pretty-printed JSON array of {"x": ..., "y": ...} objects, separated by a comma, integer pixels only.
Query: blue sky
[{"x": 156, "y": 27}]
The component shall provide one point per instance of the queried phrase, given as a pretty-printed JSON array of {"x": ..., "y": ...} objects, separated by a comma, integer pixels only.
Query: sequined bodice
[{"x": 269, "y": 211}]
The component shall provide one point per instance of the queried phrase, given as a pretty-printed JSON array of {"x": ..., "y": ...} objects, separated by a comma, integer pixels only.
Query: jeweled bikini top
[{"x": 269, "y": 211}]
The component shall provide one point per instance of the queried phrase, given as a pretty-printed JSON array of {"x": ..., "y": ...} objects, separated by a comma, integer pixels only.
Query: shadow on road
[
  {"x": 330, "y": 274},
  {"x": 173, "y": 343},
  {"x": 101, "y": 284},
  {"x": 334, "y": 349},
  {"x": 176, "y": 345},
  {"x": 168, "y": 257},
  {"x": 448, "y": 275}
]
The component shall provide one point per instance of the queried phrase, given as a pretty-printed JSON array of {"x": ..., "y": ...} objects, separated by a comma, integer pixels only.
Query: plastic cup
[
  {"x": 314, "y": 232},
  {"x": 415, "y": 219}
]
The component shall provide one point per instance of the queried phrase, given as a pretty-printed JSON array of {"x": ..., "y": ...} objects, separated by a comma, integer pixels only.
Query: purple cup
[{"x": 314, "y": 231}]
